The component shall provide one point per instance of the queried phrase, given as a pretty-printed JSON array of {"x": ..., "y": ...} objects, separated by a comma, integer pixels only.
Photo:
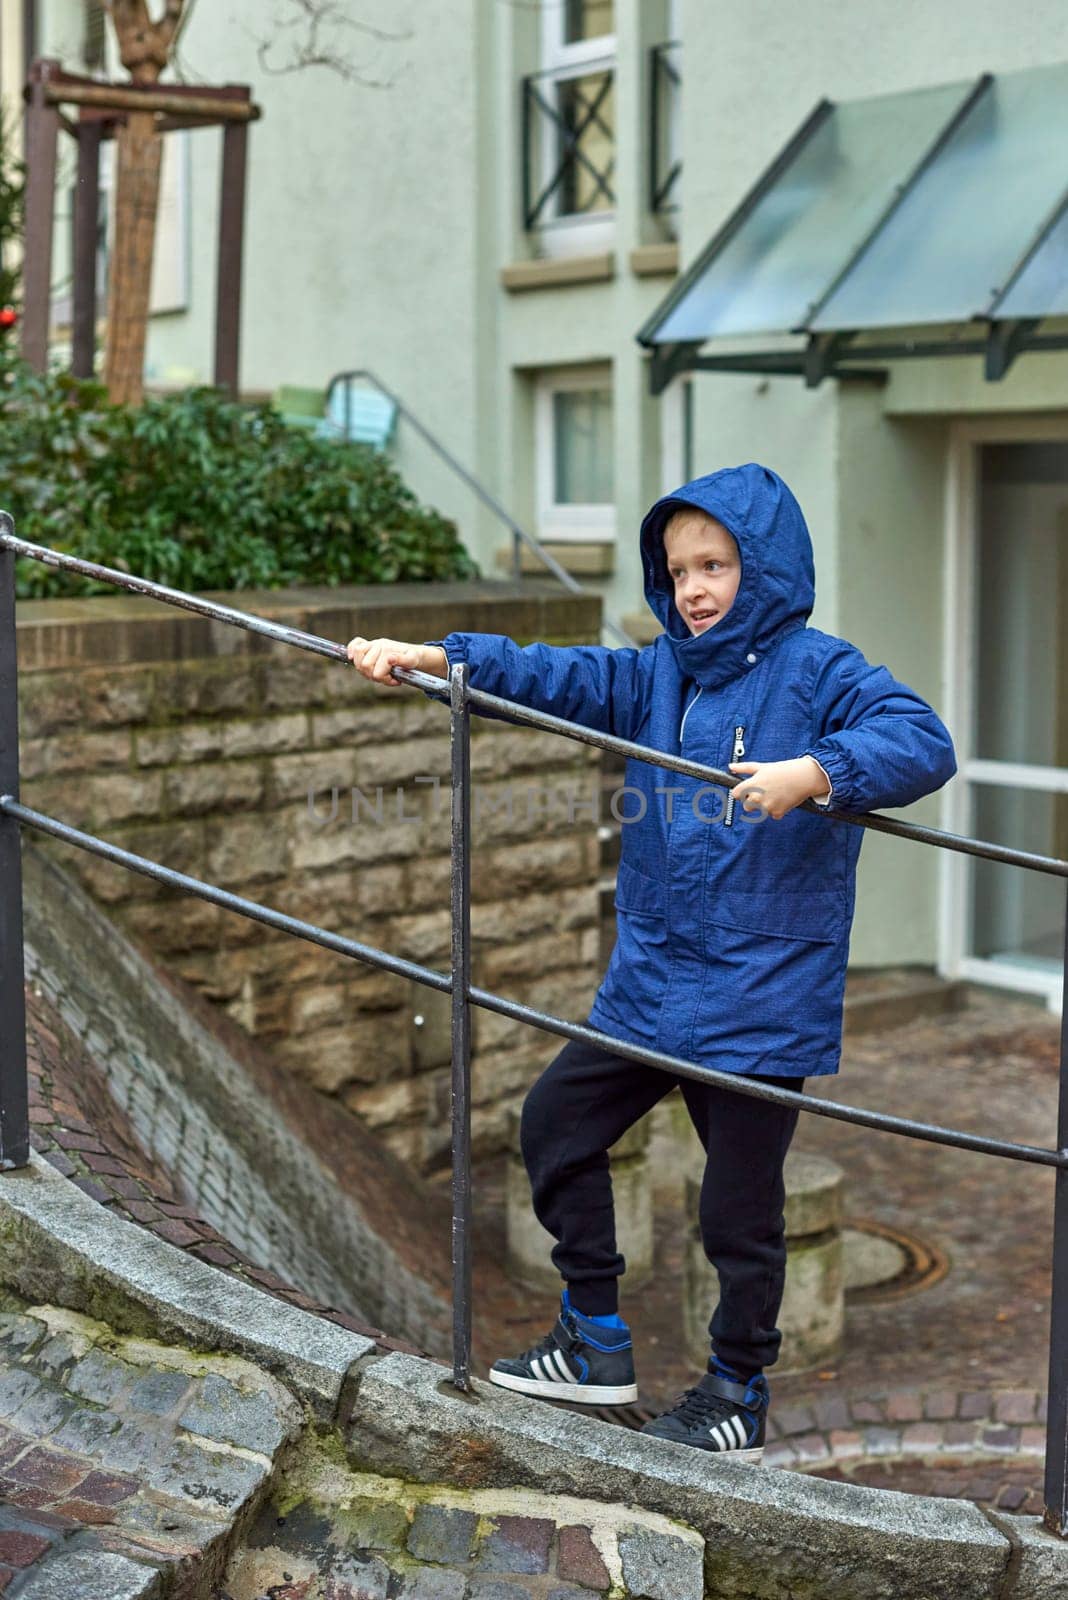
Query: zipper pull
[{"x": 737, "y": 754}]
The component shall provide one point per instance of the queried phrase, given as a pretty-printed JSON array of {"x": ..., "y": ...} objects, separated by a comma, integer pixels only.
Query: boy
[{"x": 732, "y": 939}]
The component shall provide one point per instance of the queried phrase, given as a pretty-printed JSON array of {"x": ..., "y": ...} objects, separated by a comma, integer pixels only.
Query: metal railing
[
  {"x": 665, "y": 89},
  {"x": 520, "y": 536},
  {"x": 462, "y": 699},
  {"x": 569, "y": 142}
]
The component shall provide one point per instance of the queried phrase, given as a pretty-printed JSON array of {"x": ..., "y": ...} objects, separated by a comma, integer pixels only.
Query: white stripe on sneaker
[
  {"x": 739, "y": 1430},
  {"x": 567, "y": 1376},
  {"x": 535, "y": 1367}
]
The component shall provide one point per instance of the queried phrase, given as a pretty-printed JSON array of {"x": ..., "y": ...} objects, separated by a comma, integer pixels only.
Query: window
[
  {"x": 94, "y": 42},
  {"x": 676, "y": 434},
  {"x": 665, "y": 132},
  {"x": 574, "y": 450},
  {"x": 569, "y": 129}
]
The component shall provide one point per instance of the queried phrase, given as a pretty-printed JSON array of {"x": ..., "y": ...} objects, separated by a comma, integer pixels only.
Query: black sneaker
[
  {"x": 721, "y": 1414},
  {"x": 578, "y": 1360}
]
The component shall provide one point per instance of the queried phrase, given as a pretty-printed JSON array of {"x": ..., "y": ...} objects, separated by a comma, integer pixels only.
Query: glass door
[{"x": 1012, "y": 710}]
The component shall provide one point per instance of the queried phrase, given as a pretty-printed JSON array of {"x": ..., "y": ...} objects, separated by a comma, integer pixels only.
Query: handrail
[
  {"x": 518, "y": 532},
  {"x": 755, "y": 1089},
  {"x": 14, "y": 1123},
  {"x": 483, "y": 701}
]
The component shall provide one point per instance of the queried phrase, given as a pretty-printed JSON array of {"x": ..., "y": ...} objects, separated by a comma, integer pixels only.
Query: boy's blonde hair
[{"x": 689, "y": 514}]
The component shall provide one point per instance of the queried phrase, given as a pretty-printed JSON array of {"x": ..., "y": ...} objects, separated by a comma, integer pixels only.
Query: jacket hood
[{"x": 777, "y": 589}]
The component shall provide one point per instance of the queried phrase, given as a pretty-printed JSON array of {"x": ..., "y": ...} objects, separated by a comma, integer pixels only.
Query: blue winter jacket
[{"x": 733, "y": 927}]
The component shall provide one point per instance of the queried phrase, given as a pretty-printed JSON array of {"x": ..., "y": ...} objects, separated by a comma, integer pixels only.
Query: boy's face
[{"x": 704, "y": 566}]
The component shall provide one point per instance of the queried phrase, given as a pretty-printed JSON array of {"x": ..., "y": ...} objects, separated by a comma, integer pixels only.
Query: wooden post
[
  {"x": 231, "y": 241},
  {"x": 86, "y": 215},
  {"x": 42, "y": 137}
]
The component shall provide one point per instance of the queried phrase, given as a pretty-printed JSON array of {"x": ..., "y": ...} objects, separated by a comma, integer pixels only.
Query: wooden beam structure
[{"x": 102, "y": 108}]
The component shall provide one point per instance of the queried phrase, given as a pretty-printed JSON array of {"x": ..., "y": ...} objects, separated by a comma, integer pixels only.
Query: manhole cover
[
  {"x": 883, "y": 1264},
  {"x": 870, "y": 1259}
]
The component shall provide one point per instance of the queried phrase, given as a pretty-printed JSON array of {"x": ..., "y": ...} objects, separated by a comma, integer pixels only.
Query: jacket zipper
[{"x": 736, "y": 755}]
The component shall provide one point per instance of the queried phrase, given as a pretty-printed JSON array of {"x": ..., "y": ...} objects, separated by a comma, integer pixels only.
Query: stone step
[
  {"x": 129, "y": 1466},
  {"x": 889, "y": 998}
]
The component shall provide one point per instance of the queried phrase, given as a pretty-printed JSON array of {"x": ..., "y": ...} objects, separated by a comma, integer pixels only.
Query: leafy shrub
[{"x": 198, "y": 492}]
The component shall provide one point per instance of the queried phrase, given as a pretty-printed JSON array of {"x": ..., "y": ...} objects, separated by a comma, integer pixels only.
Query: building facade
[{"x": 487, "y": 203}]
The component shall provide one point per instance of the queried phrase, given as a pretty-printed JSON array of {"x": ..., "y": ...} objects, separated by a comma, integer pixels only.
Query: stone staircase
[{"x": 128, "y": 1467}]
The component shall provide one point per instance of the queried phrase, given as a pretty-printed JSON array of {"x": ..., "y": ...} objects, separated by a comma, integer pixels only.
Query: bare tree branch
[{"x": 313, "y": 33}]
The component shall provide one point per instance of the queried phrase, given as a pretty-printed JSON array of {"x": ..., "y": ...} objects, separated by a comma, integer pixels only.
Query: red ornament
[{"x": 8, "y": 317}]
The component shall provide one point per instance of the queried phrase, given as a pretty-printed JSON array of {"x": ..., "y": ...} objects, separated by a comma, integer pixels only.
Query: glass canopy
[{"x": 937, "y": 206}]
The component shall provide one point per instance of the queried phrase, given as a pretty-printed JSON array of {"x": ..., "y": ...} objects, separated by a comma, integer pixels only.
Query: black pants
[{"x": 583, "y": 1102}]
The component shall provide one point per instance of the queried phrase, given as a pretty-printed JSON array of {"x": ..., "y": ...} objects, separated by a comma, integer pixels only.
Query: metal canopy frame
[
  {"x": 835, "y": 354},
  {"x": 102, "y": 108}
]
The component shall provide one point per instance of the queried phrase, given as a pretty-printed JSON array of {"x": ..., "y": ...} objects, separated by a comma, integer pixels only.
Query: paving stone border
[
  {"x": 987, "y": 1446},
  {"x": 766, "y": 1533},
  {"x": 907, "y": 1423}
]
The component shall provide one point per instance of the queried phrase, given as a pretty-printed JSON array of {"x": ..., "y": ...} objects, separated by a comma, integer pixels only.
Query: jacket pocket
[
  {"x": 637, "y": 895},
  {"x": 812, "y": 917}
]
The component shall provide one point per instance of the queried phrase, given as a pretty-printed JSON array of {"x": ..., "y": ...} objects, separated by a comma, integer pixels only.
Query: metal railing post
[
  {"x": 460, "y": 728},
  {"x": 1056, "y": 1480},
  {"x": 14, "y": 1109}
]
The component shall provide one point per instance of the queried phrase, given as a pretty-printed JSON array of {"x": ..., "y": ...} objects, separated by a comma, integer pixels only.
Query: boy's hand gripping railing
[{"x": 14, "y": 1140}]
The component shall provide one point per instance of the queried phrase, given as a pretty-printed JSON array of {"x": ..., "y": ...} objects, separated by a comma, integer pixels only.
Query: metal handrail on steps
[
  {"x": 461, "y": 699},
  {"x": 520, "y": 536}
]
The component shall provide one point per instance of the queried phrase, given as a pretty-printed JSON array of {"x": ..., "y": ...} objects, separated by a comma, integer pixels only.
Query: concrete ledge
[
  {"x": 521, "y": 275},
  {"x": 111, "y": 629},
  {"x": 768, "y": 1533},
  {"x": 591, "y": 558},
  {"x": 63, "y": 1248},
  {"x": 655, "y": 260},
  {"x": 642, "y": 626}
]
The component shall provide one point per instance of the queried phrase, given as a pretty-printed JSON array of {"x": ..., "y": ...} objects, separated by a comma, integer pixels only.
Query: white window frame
[
  {"x": 567, "y": 233},
  {"x": 958, "y": 809},
  {"x": 676, "y": 432},
  {"x": 556, "y": 520}
]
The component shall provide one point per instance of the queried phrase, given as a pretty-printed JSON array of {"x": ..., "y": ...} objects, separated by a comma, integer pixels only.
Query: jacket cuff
[
  {"x": 834, "y": 769},
  {"x": 442, "y": 644},
  {"x": 452, "y": 655},
  {"x": 822, "y": 799}
]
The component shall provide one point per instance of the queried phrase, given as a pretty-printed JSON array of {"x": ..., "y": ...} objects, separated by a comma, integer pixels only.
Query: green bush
[{"x": 198, "y": 492}]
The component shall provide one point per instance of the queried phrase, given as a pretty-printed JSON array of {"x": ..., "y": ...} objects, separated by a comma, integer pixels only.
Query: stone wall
[{"x": 287, "y": 778}]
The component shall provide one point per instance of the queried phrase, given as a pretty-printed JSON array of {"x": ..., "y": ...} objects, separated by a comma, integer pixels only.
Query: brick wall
[{"x": 235, "y": 760}]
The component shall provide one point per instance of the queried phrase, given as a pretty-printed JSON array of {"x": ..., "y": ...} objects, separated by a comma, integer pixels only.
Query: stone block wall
[{"x": 288, "y": 779}]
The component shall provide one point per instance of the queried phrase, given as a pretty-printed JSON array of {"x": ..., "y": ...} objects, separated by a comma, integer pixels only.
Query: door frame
[{"x": 965, "y": 437}]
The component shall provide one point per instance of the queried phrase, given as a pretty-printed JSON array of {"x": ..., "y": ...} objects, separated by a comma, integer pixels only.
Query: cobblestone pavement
[
  {"x": 384, "y": 1541},
  {"x": 954, "y": 1375},
  {"x": 123, "y": 1463}
]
